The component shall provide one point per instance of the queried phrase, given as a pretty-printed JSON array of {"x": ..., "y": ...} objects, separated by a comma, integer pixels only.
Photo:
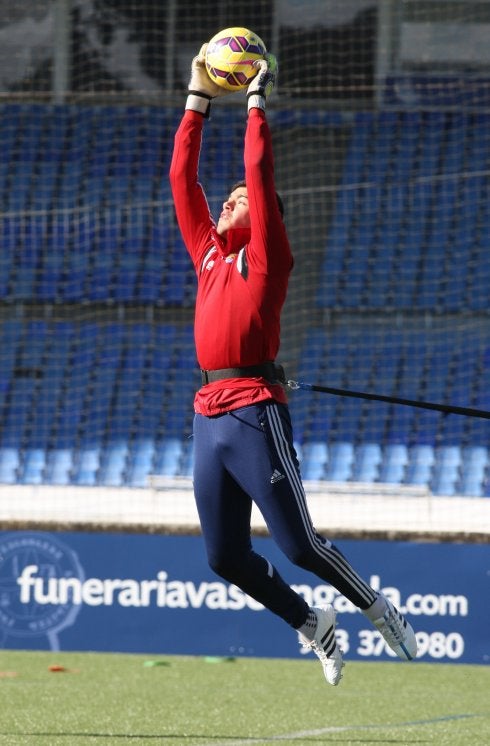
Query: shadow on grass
[{"x": 330, "y": 738}]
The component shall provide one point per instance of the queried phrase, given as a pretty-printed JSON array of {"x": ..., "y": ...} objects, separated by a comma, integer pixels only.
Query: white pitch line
[{"x": 333, "y": 729}]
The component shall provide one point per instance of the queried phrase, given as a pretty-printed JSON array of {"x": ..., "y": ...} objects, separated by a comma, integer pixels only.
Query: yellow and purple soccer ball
[{"x": 230, "y": 56}]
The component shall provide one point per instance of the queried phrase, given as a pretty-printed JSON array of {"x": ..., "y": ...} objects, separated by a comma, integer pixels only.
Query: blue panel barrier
[{"x": 155, "y": 594}]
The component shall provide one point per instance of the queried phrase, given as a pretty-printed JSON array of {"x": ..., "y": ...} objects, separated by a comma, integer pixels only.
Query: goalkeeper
[{"x": 243, "y": 438}]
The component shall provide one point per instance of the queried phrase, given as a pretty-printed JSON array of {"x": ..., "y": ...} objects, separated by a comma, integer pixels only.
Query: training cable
[{"x": 445, "y": 408}]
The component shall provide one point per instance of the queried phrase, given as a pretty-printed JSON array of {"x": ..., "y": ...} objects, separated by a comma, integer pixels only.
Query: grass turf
[{"x": 190, "y": 701}]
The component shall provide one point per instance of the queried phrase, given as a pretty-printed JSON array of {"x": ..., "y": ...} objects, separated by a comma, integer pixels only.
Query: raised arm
[
  {"x": 191, "y": 207},
  {"x": 269, "y": 247}
]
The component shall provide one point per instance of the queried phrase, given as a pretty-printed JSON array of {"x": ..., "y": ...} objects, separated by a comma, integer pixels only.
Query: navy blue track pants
[{"x": 246, "y": 456}]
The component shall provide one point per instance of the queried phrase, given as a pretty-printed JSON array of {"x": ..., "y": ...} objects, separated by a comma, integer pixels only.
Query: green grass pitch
[{"x": 191, "y": 701}]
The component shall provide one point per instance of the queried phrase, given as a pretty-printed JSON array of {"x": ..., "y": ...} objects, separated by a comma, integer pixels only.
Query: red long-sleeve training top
[{"x": 242, "y": 277}]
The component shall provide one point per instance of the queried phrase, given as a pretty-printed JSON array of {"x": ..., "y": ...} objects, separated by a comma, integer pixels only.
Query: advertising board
[{"x": 155, "y": 594}]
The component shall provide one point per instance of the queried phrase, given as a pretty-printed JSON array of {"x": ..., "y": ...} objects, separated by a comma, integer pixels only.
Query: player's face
[{"x": 235, "y": 212}]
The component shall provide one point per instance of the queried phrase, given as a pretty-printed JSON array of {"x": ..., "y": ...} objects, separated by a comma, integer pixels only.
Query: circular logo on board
[{"x": 32, "y": 566}]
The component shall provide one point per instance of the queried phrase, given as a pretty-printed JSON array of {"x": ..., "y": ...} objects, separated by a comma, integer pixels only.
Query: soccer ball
[{"x": 230, "y": 56}]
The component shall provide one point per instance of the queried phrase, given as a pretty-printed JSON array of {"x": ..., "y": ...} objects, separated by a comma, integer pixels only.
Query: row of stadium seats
[
  {"x": 447, "y": 470},
  {"x": 348, "y": 438},
  {"x": 111, "y": 403},
  {"x": 79, "y": 402},
  {"x": 448, "y": 366},
  {"x": 87, "y": 213},
  {"x": 412, "y": 219},
  {"x": 119, "y": 255}
]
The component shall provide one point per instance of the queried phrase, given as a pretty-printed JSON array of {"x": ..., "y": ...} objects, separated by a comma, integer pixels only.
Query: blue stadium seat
[
  {"x": 87, "y": 465},
  {"x": 461, "y": 271},
  {"x": 130, "y": 255},
  {"x": 421, "y": 198},
  {"x": 22, "y": 399},
  {"x": 338, "y": 239},
  {"x": 10, "y": 227},
  {"x": 77, "y": 376},
  {"x": 23, "y": 164},
  {"x": 475, "y": 461},
  {"x": 478, "y": 295},
  {"x": 187, "y": 462},
  {"x": 51, "y": 269},
  {"x": 127, "y": 391},
  {"x": 74, "y": 158},
  {"x": 175, "y": 423},
  {"x": 58, "y": 467},
  {"x": 9, "y": 463},
  {"x": 368, "y": 459},
  {"x": 10, "y": 334},
  {"x": 102, "y": 134},
  {"x": 122, "y": 157},
  {"x": 152, "y": 405},
  {"x": 113, "y": 464},
  {"x": 141, "y": 459},
  {"x": 340, "y": 465},
  {"x": 310, "y": 412},
  {"x": 25, "y": 267},
  {"x": 148, "y": 167},
  {"x": 34, "y": 462},
  {"x": 168, "y": 456},
  {"x": 9, "y": 128},
  {"x": 384, "y": 280},
  {"x": 156, "y": 248},
  {"x": 36, "y": 441},
  {"x": 47, "y": 171},
  {"x": 178, "y": 276},
  {"x": 394, "y": 464},
  {"x": 81, "y": 241},
  {"x": 447, "y": 465},
  {"x": 420, "y": 465},
  {"x": 314, "y": 460}
]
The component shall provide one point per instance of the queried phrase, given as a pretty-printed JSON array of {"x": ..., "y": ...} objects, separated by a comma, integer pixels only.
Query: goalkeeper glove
[
  {"x": 201, "y": 88},
  {"x": 263, "y": 83}
]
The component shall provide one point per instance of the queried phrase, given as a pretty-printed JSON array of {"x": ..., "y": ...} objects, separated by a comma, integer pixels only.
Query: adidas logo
[{"x": 276, "y": 476}]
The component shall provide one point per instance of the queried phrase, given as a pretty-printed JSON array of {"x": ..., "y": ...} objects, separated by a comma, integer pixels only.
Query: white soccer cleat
[
  {"x": 324, "y": 644},
  {"x": 397, "y": 632}
]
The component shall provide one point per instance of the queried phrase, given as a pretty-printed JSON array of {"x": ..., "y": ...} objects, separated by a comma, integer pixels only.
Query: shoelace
[
  {"x": 320, "y": 651},
  {"x": 394, "y": 627}
]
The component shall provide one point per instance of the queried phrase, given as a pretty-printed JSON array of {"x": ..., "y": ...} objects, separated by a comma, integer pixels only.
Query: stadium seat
[
  {"x": 314, "y": 460},
  {"x": 9, "y": 126},
  {"x": 168, "y": 457},
  {"x": 10, "y": 227},
  {"x": 34, "y": 461},
  {"x": 394, "y": 464},
  {"x": 9, "y": 463},
  {"x": 187, "y": 462},
  {"x": 59, "y": 463},
  {"x": 421, "y": 462},
  {"x": 475, "y": 461},
  {"x": 87, "y": 466},
  {"x": 49, "y": 285},
  {"x": 113, "y": 464},
  {"x": 141, "y": 462},
  {"x": 368, "y": 458},
  {"x": 24, "y": 158},
  {"x": 447, "y": 464},
  {"x": 339, "y": 467}
]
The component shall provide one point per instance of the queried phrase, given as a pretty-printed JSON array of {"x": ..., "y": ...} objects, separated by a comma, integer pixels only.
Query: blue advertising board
[{"x": 155, "y": 594}]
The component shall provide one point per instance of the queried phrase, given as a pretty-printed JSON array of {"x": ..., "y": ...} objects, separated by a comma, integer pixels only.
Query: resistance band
[{"x": 446, "y": 408}]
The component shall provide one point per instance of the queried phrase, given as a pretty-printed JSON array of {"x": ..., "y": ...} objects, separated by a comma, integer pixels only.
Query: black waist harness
[{"x": 270, "y": 371}]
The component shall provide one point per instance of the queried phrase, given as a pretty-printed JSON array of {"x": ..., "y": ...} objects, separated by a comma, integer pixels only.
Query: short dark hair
[{"x": 243, "y": 183}]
